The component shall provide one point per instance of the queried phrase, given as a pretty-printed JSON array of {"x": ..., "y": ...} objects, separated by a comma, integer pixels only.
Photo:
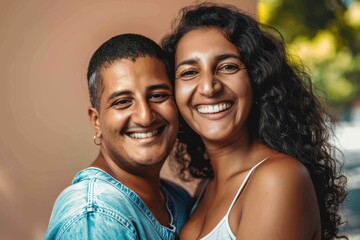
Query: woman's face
[{"x": 212, "y": 86}]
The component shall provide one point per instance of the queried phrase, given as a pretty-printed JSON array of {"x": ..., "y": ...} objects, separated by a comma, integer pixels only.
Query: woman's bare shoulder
[
  {"x": 280, "y": 194},
  {"x": 280, "y": 167},
  {"x": 284, "y": 176}
]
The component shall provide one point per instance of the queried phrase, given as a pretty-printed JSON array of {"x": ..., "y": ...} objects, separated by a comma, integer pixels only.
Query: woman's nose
[{"x": 209, "y": 85}]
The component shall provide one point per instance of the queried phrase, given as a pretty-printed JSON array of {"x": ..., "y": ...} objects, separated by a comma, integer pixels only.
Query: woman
[{"x": 254, "y": 128}]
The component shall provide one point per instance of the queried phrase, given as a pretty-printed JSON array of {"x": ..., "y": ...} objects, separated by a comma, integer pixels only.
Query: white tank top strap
[{"x": 243, "y": 184}]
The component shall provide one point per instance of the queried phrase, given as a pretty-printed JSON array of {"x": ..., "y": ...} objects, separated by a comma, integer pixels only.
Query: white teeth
[
  {"x": 143, "y": 135},
  {"x": 214, "y": 108}
]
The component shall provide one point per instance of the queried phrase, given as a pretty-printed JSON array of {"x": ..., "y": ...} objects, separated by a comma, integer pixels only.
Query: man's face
[{"x": 137, "y": 118}]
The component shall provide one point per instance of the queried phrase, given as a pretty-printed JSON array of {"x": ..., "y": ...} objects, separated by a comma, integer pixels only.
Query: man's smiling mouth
[{"x": 143, "y": 135}]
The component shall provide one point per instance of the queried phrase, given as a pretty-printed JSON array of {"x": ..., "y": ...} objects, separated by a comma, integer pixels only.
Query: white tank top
[{"x": 222, "y": 229}]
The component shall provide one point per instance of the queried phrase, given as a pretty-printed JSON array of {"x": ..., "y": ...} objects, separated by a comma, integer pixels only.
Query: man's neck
[{"x": 145, "y": 183}]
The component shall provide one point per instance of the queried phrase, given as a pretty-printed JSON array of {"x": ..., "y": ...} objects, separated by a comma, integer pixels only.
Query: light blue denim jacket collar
[
  {"x": 97, "y": 206},
  {"x": 93, "y": 172}
]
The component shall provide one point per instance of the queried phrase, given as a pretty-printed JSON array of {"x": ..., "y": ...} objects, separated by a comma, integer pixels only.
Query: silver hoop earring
[{"x": 97, "y": 143}]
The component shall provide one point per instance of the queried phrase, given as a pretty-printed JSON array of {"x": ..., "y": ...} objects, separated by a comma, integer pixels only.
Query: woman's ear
[{"x": 94, "y": 120}]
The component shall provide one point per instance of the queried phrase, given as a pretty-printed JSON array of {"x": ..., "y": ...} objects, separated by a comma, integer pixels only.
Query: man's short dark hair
[{"x": 124, "y": 46}]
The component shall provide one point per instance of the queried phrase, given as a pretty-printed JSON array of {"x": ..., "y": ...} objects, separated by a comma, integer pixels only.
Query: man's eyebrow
[
  {"x": 150, "y": 88},
  {"x": 118, "y": 93},
  {"x": 159, "y": 86}
]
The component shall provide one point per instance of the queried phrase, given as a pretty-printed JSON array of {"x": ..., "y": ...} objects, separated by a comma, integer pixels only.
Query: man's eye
[
  {"x": 158, "y": 97},
  {"x": 122, "y": 103}
]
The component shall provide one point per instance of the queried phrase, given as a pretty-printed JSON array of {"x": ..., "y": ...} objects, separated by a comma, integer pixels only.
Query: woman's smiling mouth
[{"x": 215, "y": 108}]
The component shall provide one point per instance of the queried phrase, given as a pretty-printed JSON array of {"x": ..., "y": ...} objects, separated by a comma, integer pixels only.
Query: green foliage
[{"x": 325, "y": 34}]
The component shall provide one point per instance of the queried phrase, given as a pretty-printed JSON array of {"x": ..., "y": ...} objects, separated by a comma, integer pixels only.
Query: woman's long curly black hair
[{"x": 286, "y": 115}]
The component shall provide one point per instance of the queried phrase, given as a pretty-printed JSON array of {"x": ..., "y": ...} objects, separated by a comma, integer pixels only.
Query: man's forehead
[{"x": 124, "y": 76}]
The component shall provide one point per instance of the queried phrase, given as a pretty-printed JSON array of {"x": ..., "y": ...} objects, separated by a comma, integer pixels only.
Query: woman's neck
[{"x": 228, "y": 160}]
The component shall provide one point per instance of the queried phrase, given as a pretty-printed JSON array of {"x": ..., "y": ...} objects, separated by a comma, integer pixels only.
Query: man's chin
[{"x": 149, "y": 159}]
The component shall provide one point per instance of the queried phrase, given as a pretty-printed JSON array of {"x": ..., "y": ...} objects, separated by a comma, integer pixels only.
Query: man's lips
[
  {"x": 142, "y": 134},
  {"x": 214, "y": 108}
]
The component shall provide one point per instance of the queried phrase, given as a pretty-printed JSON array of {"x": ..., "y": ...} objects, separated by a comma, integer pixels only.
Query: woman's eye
[
  {"x": 229, "y": 68},
  {"x": 158, "y": 97},
  {"x": 188, "y": 74},
  {"x": 122, "y": 103}
]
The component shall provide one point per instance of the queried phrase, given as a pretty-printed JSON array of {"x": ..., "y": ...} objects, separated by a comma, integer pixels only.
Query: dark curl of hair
[{"x": 286, "y": 115}]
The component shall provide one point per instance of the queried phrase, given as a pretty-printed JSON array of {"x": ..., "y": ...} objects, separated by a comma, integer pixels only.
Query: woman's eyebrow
[
  {"x": 217, "y": 58},
  {"x": 185, "y": 62},
  {"x": 226, "y": 56}
]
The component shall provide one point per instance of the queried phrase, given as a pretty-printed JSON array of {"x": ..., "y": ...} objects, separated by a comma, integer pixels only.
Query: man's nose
[{"x": 144, "y": 114}]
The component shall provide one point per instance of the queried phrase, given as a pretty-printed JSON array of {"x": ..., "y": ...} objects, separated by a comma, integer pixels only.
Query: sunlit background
[{"x": 325, "y": 34}]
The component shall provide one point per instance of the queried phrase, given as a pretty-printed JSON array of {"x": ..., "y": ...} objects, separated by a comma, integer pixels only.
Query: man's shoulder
[
  {"x": 93, "y": 188},
  {"x": 84, "y": 185},
  {"x": 86, "y": 203},
  {"x": 72, "y": 197}
]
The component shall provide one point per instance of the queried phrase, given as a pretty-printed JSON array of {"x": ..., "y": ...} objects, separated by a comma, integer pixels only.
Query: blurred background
[
  {"x": 45, "y": 46},
  {"x": 325, "y": 34}
]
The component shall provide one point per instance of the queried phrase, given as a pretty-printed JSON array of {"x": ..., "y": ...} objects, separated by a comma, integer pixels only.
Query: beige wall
[{"x": 45, "y": 137}]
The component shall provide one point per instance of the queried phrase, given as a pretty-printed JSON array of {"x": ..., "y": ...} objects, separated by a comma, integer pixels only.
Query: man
[{"x": 133, "y": 113}]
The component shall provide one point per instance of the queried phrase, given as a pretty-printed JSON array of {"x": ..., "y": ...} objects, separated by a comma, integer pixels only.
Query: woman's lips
[{"x": 214, "y": 108}]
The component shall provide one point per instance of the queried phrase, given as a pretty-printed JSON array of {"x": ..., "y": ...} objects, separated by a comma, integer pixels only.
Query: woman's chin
[{"x": 216, "y": 136}]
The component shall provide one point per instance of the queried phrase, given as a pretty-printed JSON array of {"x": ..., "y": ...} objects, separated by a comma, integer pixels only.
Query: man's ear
[{"x": 94, "y": 120}]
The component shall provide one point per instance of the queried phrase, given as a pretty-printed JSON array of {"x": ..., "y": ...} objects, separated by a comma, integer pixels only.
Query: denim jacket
[{"x": 97, "y": 206}]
